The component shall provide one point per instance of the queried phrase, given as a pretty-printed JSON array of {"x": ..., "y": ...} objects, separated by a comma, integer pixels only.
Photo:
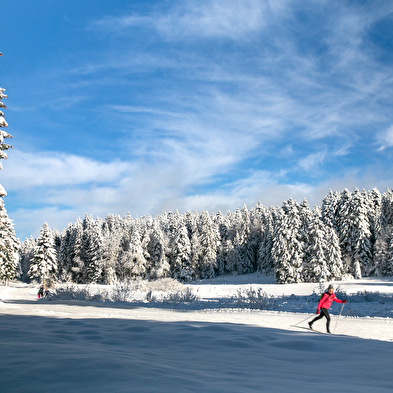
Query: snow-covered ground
[{"x": 209, "y": 345}]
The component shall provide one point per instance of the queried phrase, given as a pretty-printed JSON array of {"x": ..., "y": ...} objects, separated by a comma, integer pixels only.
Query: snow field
[{"x": 81, "y": 346}]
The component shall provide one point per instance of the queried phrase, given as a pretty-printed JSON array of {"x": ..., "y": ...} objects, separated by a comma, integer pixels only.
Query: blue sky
[{"x": 151, "y": 106}]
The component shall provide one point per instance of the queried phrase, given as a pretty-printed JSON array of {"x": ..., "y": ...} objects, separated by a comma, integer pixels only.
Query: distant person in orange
[{"x": 324, "y": 303}]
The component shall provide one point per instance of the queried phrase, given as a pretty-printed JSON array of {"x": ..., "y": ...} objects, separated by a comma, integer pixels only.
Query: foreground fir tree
[
  {"x": 135, "y": 262},
  {"x": 265, "y": 260},
  {"x": 382, "y": 237},
  {"x": 26, "y": 256},
  {"x": 181, "y": 254},
  {"x": 158, "y": 263},
  {"x": 333, "y": 255},
  {"x": 315, "y": 267},
  {"x": 361, "y": 222},
  {"x": 93, "y": 254},
  {"x": 225, "y": 244},
  {"x": 9, "y": 246},
  {"x": 388, "y": 269},
  {"x": 110, "y": 252},
  {"x": 3, "y": 135},
  {"x": 44, "y": 263},
  {"x": 208, "y": 239},
  {"x": 329, "y": 209},
  {"x": 287, "y": 250}
]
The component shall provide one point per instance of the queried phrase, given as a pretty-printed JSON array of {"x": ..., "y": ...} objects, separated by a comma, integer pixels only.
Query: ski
[{"x": 306, "y": 328}]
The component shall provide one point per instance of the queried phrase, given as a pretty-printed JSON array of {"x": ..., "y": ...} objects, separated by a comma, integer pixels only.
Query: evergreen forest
[{"x": 349, "y": 236}]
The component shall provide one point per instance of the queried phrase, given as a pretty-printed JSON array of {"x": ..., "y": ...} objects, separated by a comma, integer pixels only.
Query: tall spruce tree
[
  {"x": 345, "y": 231},
  {"x": 44, "y": 263},
  {"x": 362, "y": 233},
  {"x": 9, "y": 246},
  {"x": 265, "y": 260},
  {"x": 158, "y": 264},
  {"x": 3, "y": 135},
  {"x": 287, "y": 248},
  {"x": 224, "y": 243},
  {"x": 181, "y": 256},
  {"x": 382, "y": 240},
  {"x": 388, "y": 268},
  {"x": 315, "y": 267},
  {"x": 110, "y": 251},
  {"x": 329, "y": 209},
  {"x": 26, "y": 255},
  {"x": 209, "y": 240},
  {"x": 94, "y": 253},
  {"x": 135, "y": 263}
]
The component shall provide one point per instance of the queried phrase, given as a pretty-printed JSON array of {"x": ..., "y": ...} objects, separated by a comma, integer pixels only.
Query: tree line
[{"x": 348, "y": 236}]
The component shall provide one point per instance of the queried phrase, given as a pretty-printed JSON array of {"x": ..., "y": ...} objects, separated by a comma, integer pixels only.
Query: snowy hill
[{"x": 80, "y": 346}]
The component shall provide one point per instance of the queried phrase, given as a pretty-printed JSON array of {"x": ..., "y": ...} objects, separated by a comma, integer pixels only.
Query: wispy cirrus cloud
[
  {"x": 27, "y": 170},
  {"x": 187, "y": 20},
  {"x": 385, "y": 139},
  {"x": 312, "y": 162}
]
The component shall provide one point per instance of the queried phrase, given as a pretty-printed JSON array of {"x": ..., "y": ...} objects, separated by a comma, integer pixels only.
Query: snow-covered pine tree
[
  {"x": 57, "y": 240},
  {"x": 265, "y": 261},
  {"x": 181, "y": 256},
  {"x": 241, "y": 229},
  {"x": 158, "y": 264},
  {"x": 93, "y": 253},
  {"x": 76, "y": 250},
  {"x": 287, "y": 248},
  {"x": 63, "y": 255},
  {"x": 223, "y": 245},
  {"x": 9, "y": 247},
  {"x": 44, "y": 263},
  {"x": 388, "y": 268},
  {"x": 256, "y": 230},
  {"x": 307, "y": 224},
  {"x": 195, "y": 241},
  {"x": 333, "y": 254},
  {"x": 315, "y": 267},
  {"x": 3, "y": 135},
  {"x": 362, "y": 258},
  {"x": 280, "y": 254},
  {"x": 382, "y": 241},
  {"x": 26, "y": 255},
  {"x": 345, "y": 233},
  {"x": 110, "y": 251},
  {"x": 375, "y": 207},
  {"x": 209, "y": 240},
  {"x": 135, "y": 262},
  {"x": 329, "y": 209}
]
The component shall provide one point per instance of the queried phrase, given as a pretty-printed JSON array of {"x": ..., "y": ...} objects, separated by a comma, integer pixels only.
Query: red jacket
[{"x": 327, "y": 300}]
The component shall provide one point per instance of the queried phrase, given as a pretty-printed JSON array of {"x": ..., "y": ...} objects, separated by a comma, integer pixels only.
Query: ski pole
[
  {"x": 296, "y": 324},
  {"x": 339, "y": 316}
]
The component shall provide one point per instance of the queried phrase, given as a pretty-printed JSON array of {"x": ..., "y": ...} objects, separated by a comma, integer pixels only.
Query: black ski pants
[{"x": 324, "y": 313}]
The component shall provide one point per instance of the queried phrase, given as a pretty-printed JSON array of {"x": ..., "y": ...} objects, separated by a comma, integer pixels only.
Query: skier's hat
[{"x": 330, "y": 287}]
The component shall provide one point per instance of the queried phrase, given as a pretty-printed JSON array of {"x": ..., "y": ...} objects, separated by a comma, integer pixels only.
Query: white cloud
[
  {"x": 27, "y": 170},
  {"x": 311, "y": 162},
  {"x": 385, "y": 139},
  {"x": 215, "y": 18}
]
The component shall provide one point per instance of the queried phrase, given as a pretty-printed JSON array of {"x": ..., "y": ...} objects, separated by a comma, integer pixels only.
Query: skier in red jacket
[{"x": 323, "y": 305}]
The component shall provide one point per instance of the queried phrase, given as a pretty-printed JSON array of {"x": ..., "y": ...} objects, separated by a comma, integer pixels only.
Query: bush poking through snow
[
  {"x": 184, "y": 296},
  {"x": 122, "y": 291},
  {"x": 75, "y": 292},
  {"x": 254, "y": 299}
]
